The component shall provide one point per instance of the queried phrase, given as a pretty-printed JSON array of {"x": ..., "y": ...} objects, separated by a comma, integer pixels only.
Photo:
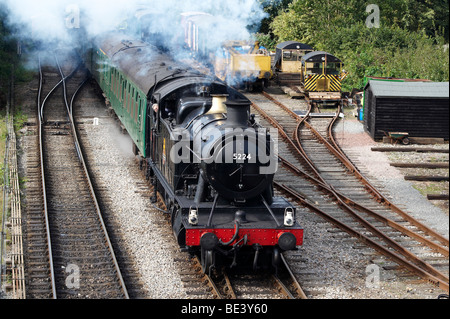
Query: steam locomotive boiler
[{"x": 208, "y": 159}]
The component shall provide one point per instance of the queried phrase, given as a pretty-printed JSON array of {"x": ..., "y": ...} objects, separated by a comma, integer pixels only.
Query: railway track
[
  {"x": 70, "y": 254},
  {"x": 346, "y": 199},
  {"x": 228, "y": 284}
]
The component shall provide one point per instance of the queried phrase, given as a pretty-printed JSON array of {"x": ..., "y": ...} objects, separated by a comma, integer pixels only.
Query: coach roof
[{"x": 142, "y": 63}]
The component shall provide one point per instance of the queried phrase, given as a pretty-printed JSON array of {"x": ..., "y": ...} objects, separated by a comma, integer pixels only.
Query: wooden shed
[{"x": 418, "y": 108}]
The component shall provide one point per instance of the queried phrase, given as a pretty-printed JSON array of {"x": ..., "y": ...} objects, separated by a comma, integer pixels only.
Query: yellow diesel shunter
[{"x": 322, "y": 75}]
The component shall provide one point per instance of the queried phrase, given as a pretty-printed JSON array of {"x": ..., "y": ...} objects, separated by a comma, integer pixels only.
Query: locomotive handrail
[
  {"x": 212, "y": 210},
  {"x": 270, "y": 211}
]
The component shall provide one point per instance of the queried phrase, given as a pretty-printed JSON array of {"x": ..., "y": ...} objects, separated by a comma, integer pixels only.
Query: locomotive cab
[{"x": 287, "y": 64}]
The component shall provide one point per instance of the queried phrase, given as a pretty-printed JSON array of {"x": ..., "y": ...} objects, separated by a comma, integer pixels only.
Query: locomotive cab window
[
  {"x": 333, "y": 68},
  {"x": 290, "y": 56},
  {"x": 314, "y": 68}
]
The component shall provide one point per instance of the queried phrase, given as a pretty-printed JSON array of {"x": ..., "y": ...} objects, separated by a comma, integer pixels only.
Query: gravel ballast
[{"x": 144, "y": 230}]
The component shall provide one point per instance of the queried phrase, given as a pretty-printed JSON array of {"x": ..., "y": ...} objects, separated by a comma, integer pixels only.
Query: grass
[{"x": 431, "y": 188}]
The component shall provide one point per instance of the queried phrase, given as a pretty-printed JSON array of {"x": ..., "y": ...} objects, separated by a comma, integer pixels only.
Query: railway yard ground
[{"x": 331, "y": 263}]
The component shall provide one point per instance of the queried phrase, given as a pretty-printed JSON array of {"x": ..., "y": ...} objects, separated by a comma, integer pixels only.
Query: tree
[{"x": 408, "y": 30}]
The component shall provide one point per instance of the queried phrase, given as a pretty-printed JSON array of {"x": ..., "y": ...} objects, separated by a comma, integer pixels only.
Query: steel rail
[
  {"x": 69, "y": 108},
  {"x": 44, "y": 192},
  {"x": 344, "y": 201},
  {"x": 284, "y": 290},
  {"x": 353, "y": 169},
  {"x": 438, "y": 282},
  {"x": 390, "y": 242},
  {"x": 209, "y": 280},
  {"x": 438, "y": 248},
  {"x": 229, "y": 286},
  {"x": 435, "y": 274},
  {"x": 337, "y": 151},
  {"x": 347, "y": 200},
  {"x": 298, "y": 288},
  {"x": 296, "y": 285}
]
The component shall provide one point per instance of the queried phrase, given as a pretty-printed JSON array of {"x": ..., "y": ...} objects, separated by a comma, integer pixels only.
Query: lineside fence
[{"x": 11, "y": 237}]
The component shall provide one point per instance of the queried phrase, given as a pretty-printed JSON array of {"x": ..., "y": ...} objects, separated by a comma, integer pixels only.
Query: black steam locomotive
[{"x": 208, "y": 159}]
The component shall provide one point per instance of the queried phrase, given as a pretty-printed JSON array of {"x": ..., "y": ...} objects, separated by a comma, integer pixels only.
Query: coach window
[
  {"x": 125, "y": 88},
  {"x": 111, "y": 78},
  {"x": 133, "y": 99},
  {"x": 122, "y": 88},
  {"x": 139, "y": 110},
  {"x": 116, "y": 84},
  {"x": 128, "y": 97},
  {"x": 106, "y": 74},
  {"x": 136, "y": 109}
]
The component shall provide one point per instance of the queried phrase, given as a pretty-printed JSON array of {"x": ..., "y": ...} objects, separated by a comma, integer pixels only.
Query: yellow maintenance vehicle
[{"x": 241, "y": 63}]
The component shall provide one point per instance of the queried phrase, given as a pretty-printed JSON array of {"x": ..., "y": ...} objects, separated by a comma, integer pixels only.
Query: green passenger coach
[{"x": 126, "y": 97}]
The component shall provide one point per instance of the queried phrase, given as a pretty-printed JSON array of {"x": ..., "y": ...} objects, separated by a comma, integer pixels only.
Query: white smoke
[{"x": 49, "y": 21}]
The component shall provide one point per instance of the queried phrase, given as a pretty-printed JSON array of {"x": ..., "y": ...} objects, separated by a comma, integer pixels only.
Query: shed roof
[
  {"x": 439, "y": 90},
  {"x": 293, "y": 45}
]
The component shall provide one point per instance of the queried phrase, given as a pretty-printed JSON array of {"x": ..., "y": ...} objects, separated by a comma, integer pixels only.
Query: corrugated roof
[{"x": 409, "y": 89}]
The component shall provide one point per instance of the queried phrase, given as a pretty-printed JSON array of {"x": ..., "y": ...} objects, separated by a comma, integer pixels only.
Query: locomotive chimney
[
  {"x": 218, "y": 104},
  {"x": 238, "y": 112}
]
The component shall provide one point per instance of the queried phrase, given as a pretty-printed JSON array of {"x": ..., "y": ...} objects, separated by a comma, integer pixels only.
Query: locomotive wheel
[
  {"x": 207, "y": 260},
  {"x": 177, "y": 226},
  {"x": 276, "y": 258}
]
